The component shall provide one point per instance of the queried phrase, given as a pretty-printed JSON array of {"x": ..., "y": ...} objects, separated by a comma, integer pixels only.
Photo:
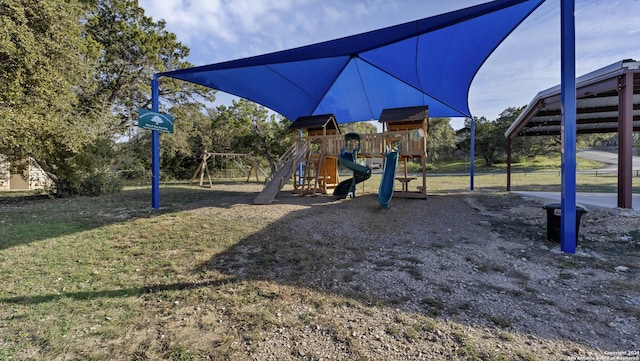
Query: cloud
[
  {"x": 527, "y": 62},
  {"x": 606, "y": 32},
  {"x": 188, "y": 19},
  {"x": 219, "y": 30}
]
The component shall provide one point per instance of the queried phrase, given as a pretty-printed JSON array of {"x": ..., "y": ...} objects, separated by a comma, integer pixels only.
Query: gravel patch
[{"x": 457, "y": 276}]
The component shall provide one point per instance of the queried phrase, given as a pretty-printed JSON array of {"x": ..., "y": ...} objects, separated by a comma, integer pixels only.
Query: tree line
[
  {"x": 73, "y": 74},
  {"x": 491, "y": 144}
]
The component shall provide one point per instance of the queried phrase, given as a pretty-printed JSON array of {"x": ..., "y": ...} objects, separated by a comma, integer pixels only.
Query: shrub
[{"x": 103, "y": 181}]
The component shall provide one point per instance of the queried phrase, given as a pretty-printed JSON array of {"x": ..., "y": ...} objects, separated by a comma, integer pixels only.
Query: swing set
[{"x": 227, "y": 166}]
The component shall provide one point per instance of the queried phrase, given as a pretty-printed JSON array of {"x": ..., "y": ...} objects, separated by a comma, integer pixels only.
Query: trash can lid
[{"x": 559, "y": 205}]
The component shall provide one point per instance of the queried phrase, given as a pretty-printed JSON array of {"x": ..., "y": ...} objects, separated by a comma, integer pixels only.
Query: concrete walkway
[{"x": 601, "y": 200}]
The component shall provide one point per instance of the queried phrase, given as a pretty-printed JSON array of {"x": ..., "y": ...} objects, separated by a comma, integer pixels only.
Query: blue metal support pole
[
  {"x": 155, "y": 150},
  {"x": 568, "y": 236},
  {"x": 472, "y": 153}
]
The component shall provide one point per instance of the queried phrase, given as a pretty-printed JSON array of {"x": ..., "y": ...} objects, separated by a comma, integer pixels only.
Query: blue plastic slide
[{"x": 385, "y": 192}]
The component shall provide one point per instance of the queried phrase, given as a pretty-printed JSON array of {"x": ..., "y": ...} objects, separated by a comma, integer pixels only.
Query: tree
[
  {"x": 490, "y": 142},
  {"x": 133, "y": 47},
  {"x": 43, "y": 55},
  {"x": 596, "y": 140},
  {"x": 181, "y": 152},
  {"x": 242, "y": 127},
  {"x": 359, "y": 127},
  {"x": 258, "y": 132},
  {"x": 533, "y": 146},
  {"x": 72, "y": 77},
  {"x": 231, "y": 128},
  {"x": 529, "y": 146},
  {"x": 44, "y": 60},
  {"x": 441, "y": 140},
  {"x": 486, "y": 145}
]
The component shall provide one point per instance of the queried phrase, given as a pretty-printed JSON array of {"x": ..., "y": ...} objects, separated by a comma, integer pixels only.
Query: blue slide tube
[{"x": 385, "y": 192}]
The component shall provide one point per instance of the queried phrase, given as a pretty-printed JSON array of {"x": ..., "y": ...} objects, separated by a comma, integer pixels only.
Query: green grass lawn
[
  {"x": 74, "y": 270},
  {"x": 525, "y": 165},
  {"x": 497, "y": 181}
]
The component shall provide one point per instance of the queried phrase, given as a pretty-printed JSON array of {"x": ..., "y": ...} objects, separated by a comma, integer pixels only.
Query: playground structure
[
  {"x": 313, "y": 159},
  {"x": 230, "y": 166}
]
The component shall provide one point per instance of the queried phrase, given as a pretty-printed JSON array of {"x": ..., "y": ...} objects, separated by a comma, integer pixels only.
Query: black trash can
[{"x": 554, "y": 212}]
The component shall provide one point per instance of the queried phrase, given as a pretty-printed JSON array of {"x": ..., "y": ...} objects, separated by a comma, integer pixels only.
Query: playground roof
[
  {"x": 430, "y": 62},
  {"x": 415, "y": 114},
  {"x": 597, "y": 104},
  {"x": 315, "y": 121}
]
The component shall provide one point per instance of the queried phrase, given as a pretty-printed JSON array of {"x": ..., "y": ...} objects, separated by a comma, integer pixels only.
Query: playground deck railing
[{"x": 409, "y": 143}]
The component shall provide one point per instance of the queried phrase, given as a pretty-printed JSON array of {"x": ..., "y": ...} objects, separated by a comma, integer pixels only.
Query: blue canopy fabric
[{"x": 430, "y": 62}]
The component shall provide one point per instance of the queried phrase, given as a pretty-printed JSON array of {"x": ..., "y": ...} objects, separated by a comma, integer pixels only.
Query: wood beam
[{"x": 625, "y": 140}]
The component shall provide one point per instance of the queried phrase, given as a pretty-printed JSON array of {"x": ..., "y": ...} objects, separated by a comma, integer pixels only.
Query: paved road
[{"x": 608, "y": 157}]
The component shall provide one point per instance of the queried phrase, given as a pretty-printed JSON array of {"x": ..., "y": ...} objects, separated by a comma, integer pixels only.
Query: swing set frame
[{"x": 240, "y": 161}]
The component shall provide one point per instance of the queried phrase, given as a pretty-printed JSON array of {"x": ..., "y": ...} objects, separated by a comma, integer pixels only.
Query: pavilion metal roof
[{"x": 597, "y": 104}]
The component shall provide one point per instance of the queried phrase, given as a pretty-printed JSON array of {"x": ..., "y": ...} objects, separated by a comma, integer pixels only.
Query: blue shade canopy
[{"x": 424, "y": 62}]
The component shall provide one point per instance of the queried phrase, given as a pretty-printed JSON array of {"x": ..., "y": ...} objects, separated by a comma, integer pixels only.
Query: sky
[{"x": 527, "y": 62}]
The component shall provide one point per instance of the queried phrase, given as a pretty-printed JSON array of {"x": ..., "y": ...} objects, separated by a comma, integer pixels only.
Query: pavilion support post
[
  {"x": 509, "y": 164},
  {"x": 300, "y": 170},
  {"x": 568, "y": 234},
  {"x": 625, "y": 140},
  {"x": 155, "y": 150},
  {"x": 472, "y": 154}
]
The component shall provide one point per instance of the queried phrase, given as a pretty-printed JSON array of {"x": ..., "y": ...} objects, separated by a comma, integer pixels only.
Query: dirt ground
[{"x": 468, "y": 275}]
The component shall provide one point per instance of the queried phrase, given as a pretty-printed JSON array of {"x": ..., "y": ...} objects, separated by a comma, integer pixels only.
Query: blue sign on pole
[{"x": 155, "y": 121}]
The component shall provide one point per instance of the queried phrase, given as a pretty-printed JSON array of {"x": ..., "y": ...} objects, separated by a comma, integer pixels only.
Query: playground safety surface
[{"x": 479, "y": 261}]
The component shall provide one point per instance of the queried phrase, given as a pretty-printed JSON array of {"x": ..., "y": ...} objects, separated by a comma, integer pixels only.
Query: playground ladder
[{"x": 317, "y": 170}]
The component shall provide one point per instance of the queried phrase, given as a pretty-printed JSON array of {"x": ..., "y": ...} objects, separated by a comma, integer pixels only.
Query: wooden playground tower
[
  {"x": 313, "y": 158},
  {"x": 318, "y": 170},
  {"x": 405, "y": 129}
]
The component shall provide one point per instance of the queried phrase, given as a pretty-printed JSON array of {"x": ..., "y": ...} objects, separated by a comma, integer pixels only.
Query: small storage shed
[{"x": 22, "y": 175}]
